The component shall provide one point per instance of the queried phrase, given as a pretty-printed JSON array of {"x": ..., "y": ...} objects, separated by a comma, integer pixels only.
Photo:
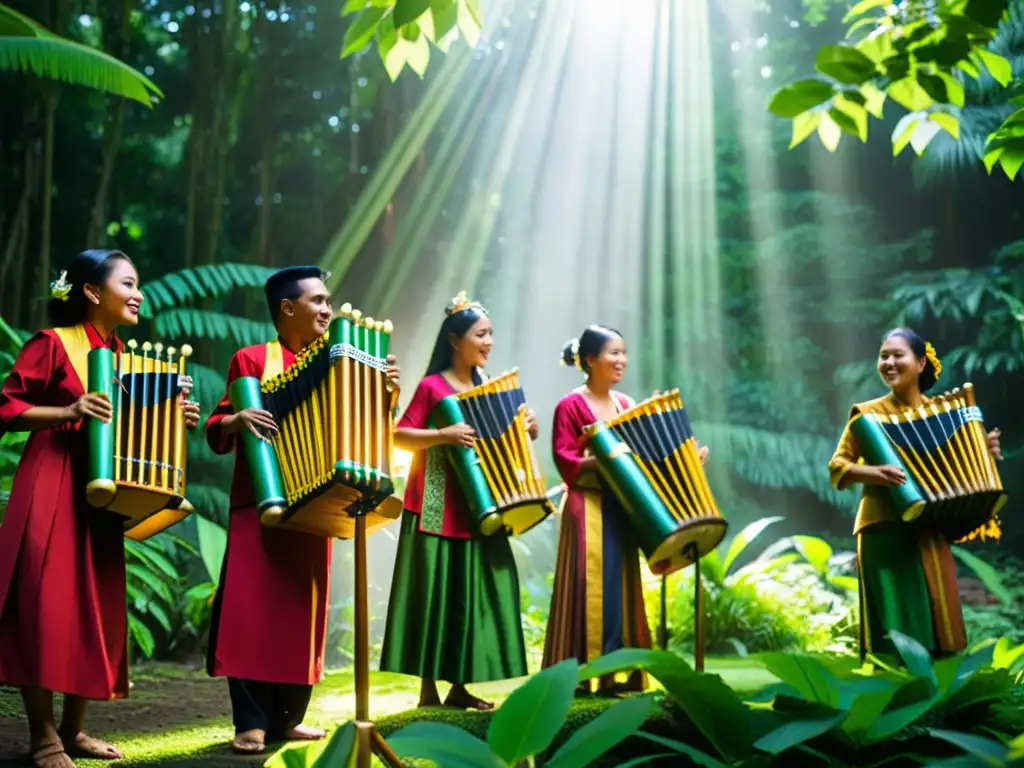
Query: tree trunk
[
  {"x": 117, "y": 46},
  {"x": 41, "y": 289},
  {"x": 58, "y": 18}
]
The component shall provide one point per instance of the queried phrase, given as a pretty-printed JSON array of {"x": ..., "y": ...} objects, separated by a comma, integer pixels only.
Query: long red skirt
[{"x": 63, "y": 615}]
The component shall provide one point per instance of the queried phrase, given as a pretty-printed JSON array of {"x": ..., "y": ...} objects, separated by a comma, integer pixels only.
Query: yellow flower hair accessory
[
  {"x": 933, "y": 358},
  {"x": 461, "y": 303},
  {"x": 61, "y": 288}
]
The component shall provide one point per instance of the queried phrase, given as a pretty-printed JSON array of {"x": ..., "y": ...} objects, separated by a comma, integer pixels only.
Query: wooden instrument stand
[
  {"x": 698, "y": 614},
  {"x": 368, "y": 741}
]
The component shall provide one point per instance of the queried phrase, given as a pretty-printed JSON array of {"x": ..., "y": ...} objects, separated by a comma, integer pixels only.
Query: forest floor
[{"x": 176, "y": 716}]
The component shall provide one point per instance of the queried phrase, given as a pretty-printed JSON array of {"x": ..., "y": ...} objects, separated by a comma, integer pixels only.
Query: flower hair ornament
[
  {"x": 933, "y": 358},
  {"x": 461, "y": 303},
  {"x": 60, "y": 288},
  {"x": 574, "y": 350}
]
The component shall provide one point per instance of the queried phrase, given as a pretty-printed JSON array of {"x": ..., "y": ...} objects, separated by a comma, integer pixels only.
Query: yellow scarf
[{"x": 77, "y": 346}]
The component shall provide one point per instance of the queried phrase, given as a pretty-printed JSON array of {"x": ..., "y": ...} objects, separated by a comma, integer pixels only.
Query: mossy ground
[{"x": 177, "y": 716}]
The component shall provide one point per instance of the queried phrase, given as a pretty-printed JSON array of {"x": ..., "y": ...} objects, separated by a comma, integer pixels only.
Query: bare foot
[
  {"x": 249, "y": 742},
  {"x": 460, "y": 698},
  {"x": 428, "y": 695},
  {"x": 50, "y": 755},
  {"x": 83, "y": 745},
  {"x": 304, "y": 733}
]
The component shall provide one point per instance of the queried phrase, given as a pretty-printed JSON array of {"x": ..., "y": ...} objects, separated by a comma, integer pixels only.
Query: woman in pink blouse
[
  {"x": 454, "y": 608},
  {"x": 597, "y": 605}
]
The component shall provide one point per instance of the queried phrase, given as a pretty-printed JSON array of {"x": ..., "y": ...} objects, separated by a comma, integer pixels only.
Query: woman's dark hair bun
[
  {"x": 928, "y": 377},
  {"x": 571, "y": 353}
]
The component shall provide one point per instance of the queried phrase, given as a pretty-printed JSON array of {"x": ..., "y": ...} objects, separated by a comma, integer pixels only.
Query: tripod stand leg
[
  {"x": 384, "y": 751},
  {"x": 698, "y": 615},
  {"x": 663, "y": 624}
]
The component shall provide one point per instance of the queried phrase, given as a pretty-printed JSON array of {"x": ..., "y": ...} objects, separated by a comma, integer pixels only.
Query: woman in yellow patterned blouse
[{"x": 907, "y": 574}]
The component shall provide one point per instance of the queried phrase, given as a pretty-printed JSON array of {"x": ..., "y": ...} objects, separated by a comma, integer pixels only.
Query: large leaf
[
  {"x": 986, "y": 574},
  {"x": 340, "y": 751},
  {"x": 528, "y": 721},
  {"x": 695, "y": 755},
  {"x": 806, "y": 674},
  {"x": 986, "y": 751},
  {"x": 915, "y": 656},
  {"x": 361, "y": 31},
  {"x": 797, "y": 732},
  {"x": 712, "y": 706},
  {"x": 445, "y": 745},
  {"x": 407, "y": 11},
  {"x": 845, "y": 64},
  {"x": 628, "y": 659},
  {"x": 27, "y": 47},
  {"x": 602, "y": 733},
  {"x": 815, "y": 551},
  {"x": 796, "y": 98},
  {"x": 213, "y": 543},
  {"x": 740, "y": 541}
]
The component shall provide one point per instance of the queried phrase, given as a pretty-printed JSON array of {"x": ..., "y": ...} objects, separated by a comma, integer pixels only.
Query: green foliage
[
  {"x": 27, "y": 46},
  {"x": 151, "y": 580},
  {"x": 406, "y": 29},
  {"x": 525, "y": 726},
  {"x": 781, "y": 599},
  {"x": 916, "y": 54},
  {"x": 210, "y": 281}
]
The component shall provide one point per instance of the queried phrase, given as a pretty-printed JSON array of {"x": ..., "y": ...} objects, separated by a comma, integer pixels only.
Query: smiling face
[
  {"x": 474, "y": 347},
  {"x": 309, "y": 314},
  {"x": 609, "y": 366},
  {"x": 898, "y": 366},
  {"x": 117, "y": 299}
]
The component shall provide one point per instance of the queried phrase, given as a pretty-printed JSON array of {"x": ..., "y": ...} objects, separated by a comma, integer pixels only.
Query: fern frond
[
  {"x": 26, "y": 46},
  {"x": 192, "y": 324},
  {"x": 774, "y": 459},
  {"x": 205, "y": 282}
]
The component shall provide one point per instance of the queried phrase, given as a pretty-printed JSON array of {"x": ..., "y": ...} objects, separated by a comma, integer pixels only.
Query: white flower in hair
[{"x": 61, "y": 288}]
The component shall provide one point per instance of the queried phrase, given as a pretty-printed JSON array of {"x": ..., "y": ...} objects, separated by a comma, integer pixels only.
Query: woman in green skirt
[
  {"x": 907, "y": 574},
  {"x": 454, "y": 608}
]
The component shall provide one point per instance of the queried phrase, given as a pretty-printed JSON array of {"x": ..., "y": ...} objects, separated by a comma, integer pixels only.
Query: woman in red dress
[
  {"x": 597, "y": 605},
  {"x": 63, "y": 615}
]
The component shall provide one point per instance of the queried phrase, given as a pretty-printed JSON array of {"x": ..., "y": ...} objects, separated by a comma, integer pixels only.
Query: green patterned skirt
[{"x": 454, "y": 609}]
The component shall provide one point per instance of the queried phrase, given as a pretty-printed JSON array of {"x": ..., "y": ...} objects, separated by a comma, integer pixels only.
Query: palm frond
[
  {"x": 209, "y": 386},
  {"x": 206, "y": 282},
  {"x": 26, "y": 46},
  {"x": 190, "y": 324},
  {"x": 775, "y": 459}
]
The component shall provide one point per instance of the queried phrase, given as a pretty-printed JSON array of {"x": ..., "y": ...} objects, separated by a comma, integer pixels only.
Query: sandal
[
  {"x": 50, "y": 755},
  {"x": 244, "y": 744}
]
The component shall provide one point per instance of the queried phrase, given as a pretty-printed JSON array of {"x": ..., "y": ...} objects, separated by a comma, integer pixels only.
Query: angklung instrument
[
  {"x": 136, "y": 463},
  {"x": 500, "y": 475},
  {"x": 330, "y": 459},
  {"x": 952, "y": 482},
  {"x": 648, "y": 456}
]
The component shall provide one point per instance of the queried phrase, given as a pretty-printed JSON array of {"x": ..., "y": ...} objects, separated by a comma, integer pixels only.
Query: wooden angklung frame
[
  {"x": 331, "y": 456},
  {"x": 648, "y": 456},
  {"x": 953, "y": 484},
  {"x": 136, "y": 464},
  {"x": 500, "y": 475}
]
